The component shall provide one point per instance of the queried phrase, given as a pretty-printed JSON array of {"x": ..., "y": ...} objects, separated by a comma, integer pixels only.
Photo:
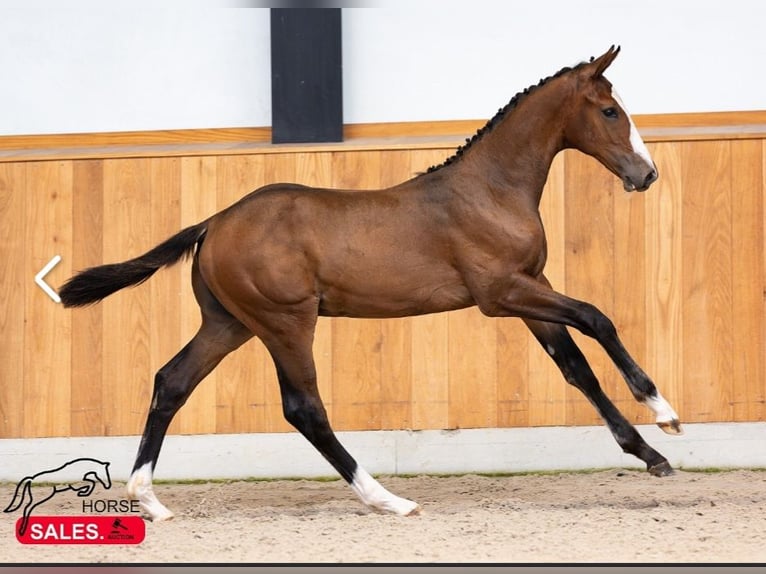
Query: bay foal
[{"x": 467, "y": 232}]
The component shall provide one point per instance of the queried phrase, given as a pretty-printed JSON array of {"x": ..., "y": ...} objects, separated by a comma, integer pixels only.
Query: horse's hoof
[
  {"x": 671, "y": 427},
  {"x": 163, "y": 517},
  {"x": 415, "y": 511},
  {"x": 661, "y": 469}
]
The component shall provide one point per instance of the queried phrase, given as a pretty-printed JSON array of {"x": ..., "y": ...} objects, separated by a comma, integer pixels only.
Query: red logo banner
[{"x": 82, "y": 530}]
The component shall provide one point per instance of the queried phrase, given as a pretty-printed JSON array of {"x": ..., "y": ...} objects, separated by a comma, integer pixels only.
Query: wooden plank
[
  {"x": 590, "y": 266},
  {"x": 315, "y": 169},
  {"x": 13, "y": 287},
  {"x": 472, "y": 369},
  {"x": 513, "y": 381},
  {"x": 749, "y": 282},
  {"x": 694, "y": 119},
  {"x": 707, "y": 286},
  {"x": 47, "y": 353},
  {"x": 145, "y": 137},
  {"x": 396, "y": 374},
  {"x": 664, "y": 277},
  {"x": 356, "y": 378},
  {"x": 87, "y": 323},
  {"x": 430, "y": 372},
  {"x": 677, "y": 124},
  {"x": 128, "y": 378},
  {"x": 762, "y": 389}
]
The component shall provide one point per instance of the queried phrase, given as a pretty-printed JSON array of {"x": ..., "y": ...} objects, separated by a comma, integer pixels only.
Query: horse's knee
[{"x": 594, "y": 323}]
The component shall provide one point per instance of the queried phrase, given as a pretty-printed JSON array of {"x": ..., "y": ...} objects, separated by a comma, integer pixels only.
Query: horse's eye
[{"x": 610, "y": 113}]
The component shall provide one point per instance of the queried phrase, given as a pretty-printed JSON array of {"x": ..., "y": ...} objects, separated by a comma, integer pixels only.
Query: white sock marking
[
  {"x": 372, "y": 493},
  {"x": 635, "y": 138},
  {"x": 661, "y": 408},
  {"x": 140, "y": 488}
]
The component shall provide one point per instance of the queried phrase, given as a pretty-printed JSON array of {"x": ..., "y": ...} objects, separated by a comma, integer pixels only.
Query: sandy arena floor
[{"x": 606, "y": 516}]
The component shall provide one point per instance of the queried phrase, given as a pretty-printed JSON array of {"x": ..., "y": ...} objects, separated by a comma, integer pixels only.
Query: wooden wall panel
[
  {"x": 15, "y": 282},
  {"x": 748, "y": 280},
  {"x": 430, "y": 371},
  {"x": 761, "y": 388},
  {"x": 47, "y": 357},
  {"x": 87, "y": 330},
  {"x": 707, "y": 280},
  {"x": 663, "y": 241},
  {"x": 127, "y": 315},
  {"x": 680, "y": 269},
  {"x": 472, "y": 364}
]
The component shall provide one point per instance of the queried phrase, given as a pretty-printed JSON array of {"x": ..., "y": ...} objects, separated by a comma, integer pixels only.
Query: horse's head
[{"x": 601, "y": 127}]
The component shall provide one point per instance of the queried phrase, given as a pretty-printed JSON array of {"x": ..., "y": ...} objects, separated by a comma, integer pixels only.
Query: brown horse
[{"x": 270, "y": 264}]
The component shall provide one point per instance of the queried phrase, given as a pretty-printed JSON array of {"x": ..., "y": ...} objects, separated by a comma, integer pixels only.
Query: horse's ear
[{"x": 600, "y": 64}]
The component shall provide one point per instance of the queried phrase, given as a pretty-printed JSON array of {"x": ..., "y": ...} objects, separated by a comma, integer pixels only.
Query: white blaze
[{"x": 639, "y": 147}]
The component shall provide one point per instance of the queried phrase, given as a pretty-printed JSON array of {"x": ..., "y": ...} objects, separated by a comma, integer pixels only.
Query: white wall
[{"x": 96, "y": 65}]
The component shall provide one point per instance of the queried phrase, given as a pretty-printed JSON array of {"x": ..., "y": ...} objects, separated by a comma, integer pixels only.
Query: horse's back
[{"x": 358, "y": 253}]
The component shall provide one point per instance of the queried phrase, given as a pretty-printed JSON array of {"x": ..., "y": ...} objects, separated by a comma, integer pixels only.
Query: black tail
[{"x": 92, "y": 285}]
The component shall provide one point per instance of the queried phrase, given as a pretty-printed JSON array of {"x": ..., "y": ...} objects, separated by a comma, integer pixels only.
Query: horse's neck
[{"x": 517, "y": 154}]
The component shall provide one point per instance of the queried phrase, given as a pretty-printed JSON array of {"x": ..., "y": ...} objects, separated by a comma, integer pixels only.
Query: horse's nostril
[{"x": 651, "y": 178}]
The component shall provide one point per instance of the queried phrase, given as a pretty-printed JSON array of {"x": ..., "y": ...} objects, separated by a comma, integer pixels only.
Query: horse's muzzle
[{"x": 630, "y": 184}]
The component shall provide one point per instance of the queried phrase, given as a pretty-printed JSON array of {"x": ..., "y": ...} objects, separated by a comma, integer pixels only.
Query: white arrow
[{"x": 43, "y": 285}]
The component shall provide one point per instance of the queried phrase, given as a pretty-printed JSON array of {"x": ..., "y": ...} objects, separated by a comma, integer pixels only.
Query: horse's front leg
[
  {"x": 533, "y": 298},
  {"x": 558, "y": 343}
]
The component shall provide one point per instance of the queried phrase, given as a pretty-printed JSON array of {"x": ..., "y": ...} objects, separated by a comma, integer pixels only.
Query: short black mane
[{"x": 500, "y": 115}]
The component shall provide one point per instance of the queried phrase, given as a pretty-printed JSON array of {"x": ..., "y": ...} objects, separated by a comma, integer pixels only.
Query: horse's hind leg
[
  {"x": 558, "y": 343},
  {"x": 219, "y": 334},
  {"x": 303, "y": 408}
]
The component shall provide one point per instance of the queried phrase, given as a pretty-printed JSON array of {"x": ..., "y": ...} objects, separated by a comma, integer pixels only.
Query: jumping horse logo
[{"x": 44, "y": 485}]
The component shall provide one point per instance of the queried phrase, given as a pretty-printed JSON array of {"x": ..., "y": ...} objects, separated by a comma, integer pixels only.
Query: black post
[{"x": 306, "y": 75}]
